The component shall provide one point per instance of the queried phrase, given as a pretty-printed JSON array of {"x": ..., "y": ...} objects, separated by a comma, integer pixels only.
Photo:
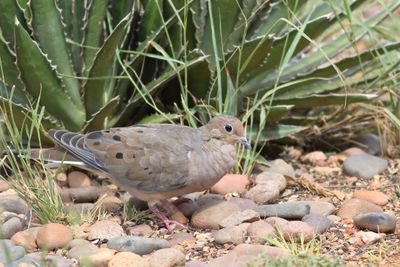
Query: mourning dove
[{"x": 158, "y": 161}]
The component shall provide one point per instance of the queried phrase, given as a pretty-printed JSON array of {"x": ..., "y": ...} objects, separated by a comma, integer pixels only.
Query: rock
[
  {"x": 105, "y": 229},
  {"x": 259, "y": 230},
  {"x": 318, "y": 222},
  {"x": 327, "y": 171},
  {"x": 53, "y": 235},
  {"x": 137, "y": 244},
  {"x": 4, "y": 186},
  {"x": 231, "y": 183},
  {"x": 181, "y": 238},
  {"x": 352, "y": 151},
  {"x": 196, "y": 263},
  {"x": 369, "y": 237},
  {"x": 207, "y": 199},
  {"x": 244, "y": 254},
  {"x": 13, "y": 203},
  {"x": 297, "y": 230},
  {"x": 100, "y": 258},
  {"x": 140, "y": 230},
  {"x": 127, "y": 259},
  {"x": 62, "y": 179},
  {"x": 364, "y": 166},
  {"x": 10, "y": 253},
  {"x": 319, "y": 207},
  {"x": 262, "y": 194},
  {"x": 272, "y": 179},
  {"x": 381, "y": 222},
  {"x": 288, "y": 210},
  {"x": 110, "y": 203},
  {"x": 315, "y": 158},
  {"x": 210, "y": 215},
  {"x": 239, "y": 217},
  {"x": 334, "y": 218},
  {"x": 78, "y": 242},
  {"x": 276, "y": 222},
  {"x": 10, "y": 227},
  {"x": 352, "y": 207},
  {"x": 375, "y": 197},
  {"x": 82, "y": 252},
  {"x": 372, "y": 143},
  {"x": 280, "y": 166},
  {"x": 25, "y": 239},
  {"x": 166, "y": 257},
  {"x": 232, "y": 234},
  {"x": 243, "y": 203},
  {"x": 188, "y": 208},
  {"x": 78, "y": 179}
]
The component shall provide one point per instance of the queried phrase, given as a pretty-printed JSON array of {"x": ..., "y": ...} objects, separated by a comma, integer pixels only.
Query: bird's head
[{"x": 228, "y": 129}]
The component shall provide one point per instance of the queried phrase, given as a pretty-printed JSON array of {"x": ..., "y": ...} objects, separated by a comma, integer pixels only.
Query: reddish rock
[
  {"x": 25, "y": 239},
  {"x": 375, "y": 197},
  {"x": 78, "y": 179},
  {"x": 242, "y": 254},
  {"x": 353, "y": 207},
  {"x": 296, "y": 230},
  {"x": 127, "y": 259},
  {"x": 53, "y": 235},
  {"x": 263, "y": 194},
  {"x": 259, "y": 230},
  {"x": 210, "y": 215},
  {"x": 316, "y": 158},
  {"x": 231, "y": 183},
  {"x": 140, "y": 230}
]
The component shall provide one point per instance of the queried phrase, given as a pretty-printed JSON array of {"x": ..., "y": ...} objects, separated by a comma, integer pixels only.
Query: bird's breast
[{"x": 208, "y": 166}]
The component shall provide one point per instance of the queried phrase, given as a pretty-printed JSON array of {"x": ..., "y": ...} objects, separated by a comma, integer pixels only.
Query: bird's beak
[{"x": 245, "y": 142}]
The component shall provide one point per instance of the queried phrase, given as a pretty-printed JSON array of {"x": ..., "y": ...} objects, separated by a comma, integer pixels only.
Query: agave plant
[
  {"x": 64, "y": 55},
  {"x": 95, "y": 64}
]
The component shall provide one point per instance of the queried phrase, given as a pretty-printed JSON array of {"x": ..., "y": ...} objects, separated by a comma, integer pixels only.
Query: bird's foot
[{"x": 167, "y": 222}]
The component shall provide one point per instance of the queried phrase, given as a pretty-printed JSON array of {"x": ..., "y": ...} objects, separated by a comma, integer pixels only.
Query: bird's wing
[{"x": 153, "y": 158}]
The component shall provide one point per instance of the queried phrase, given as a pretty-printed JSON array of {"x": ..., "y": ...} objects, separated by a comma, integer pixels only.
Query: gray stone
[
  {"x": 320, "y": 207},
  {"x": 288, "y": 210},
  {"x": 381, "y": 222},
  {"x": 240, "y": 216},
  {"x": 10, "y": 227},
  {"x": 364, "y": 166},
  {"x": 13, "y": 203},
  {"x": 280, "y": 166},
  {"x": 370, "y": 142},
  {"x": 319, "y": 223},
  {"x": 233, "y": 234},
  {"x": 137, "y": 244},
  {"x": 11, "y": 253}
]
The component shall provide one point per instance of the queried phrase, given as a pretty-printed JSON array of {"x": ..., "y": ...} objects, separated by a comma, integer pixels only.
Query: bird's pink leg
[{"x": 170, "y": 208}]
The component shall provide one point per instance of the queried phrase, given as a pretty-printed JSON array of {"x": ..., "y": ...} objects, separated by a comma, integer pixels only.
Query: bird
[{"x": 155, "y": 162}]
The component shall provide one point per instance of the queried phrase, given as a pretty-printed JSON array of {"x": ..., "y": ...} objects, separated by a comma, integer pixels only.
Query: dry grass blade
[{"x": 314, "y": 187}]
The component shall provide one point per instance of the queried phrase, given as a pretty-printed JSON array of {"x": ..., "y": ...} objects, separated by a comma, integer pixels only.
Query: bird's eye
[{"x": 228, "y": 128}]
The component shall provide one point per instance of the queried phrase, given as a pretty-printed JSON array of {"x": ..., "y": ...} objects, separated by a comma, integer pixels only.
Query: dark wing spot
[
  {"x": 116, "y": 137},
  {"x": 145, "y": 168},
  {"x": 119, "y": 155},
  {"x": 94, "y": 135},
  {"x": 133, "y": 156},
  {"x": 150, "y": 173},
  {"x": 140, "y": 131},
  {"x": 106, "y": 131},
  {"x": 96, "y": 143}
]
